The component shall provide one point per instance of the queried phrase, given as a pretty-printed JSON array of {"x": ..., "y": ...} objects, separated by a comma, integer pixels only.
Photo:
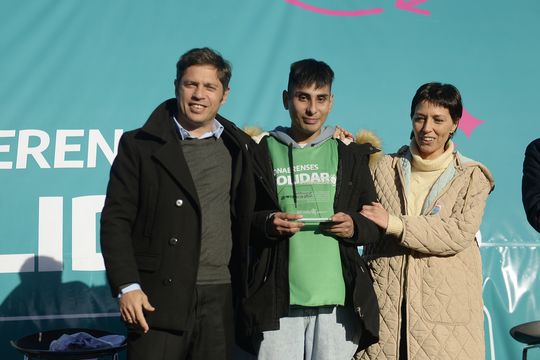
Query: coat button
[
  {"x": 179, "y": 202},
  {"x": 167, "y": 282},
  {"x": 173, "y": 241}
]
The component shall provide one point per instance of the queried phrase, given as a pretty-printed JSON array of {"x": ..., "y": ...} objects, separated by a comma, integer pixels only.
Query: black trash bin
[{"x": 36, "y": 346}]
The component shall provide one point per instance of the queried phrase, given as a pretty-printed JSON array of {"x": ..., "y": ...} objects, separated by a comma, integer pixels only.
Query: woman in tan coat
[{"x": 427, "y": 269}]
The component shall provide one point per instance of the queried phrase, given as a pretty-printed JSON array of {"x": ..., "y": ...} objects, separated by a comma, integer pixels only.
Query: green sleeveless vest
[{"x": 315, "y": 272}]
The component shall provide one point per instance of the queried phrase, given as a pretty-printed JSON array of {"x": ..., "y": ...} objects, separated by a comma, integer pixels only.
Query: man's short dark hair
[
  {"x": 444, "y": 95},
  {"x": 205, "y": 56},
  {"x": 307, "y": 72}
]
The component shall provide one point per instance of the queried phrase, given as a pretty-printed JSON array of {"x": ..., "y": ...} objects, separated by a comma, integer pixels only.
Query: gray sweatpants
[{"x": 312, "y": 333}]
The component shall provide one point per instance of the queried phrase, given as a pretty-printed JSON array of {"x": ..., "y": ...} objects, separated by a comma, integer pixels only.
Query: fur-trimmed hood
[{"x": 366, "y": 136}]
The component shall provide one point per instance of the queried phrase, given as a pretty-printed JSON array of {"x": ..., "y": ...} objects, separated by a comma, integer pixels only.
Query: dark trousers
[
  {"x": 210, "y": 334},
  {"x": 403, "y": 353}
]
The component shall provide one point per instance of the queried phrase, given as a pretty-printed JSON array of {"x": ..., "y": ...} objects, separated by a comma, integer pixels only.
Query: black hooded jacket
[
  {"x": 268, "y": 291},
  {"x": 531, "y": 184}
]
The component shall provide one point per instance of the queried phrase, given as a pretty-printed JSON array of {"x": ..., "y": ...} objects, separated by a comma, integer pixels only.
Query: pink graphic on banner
[
  {"x": 411, "y": 6},
  {"x": 334, "y": 12},
  {"x": 468, "y": 123},
  {"x": 406, "y": 5}
]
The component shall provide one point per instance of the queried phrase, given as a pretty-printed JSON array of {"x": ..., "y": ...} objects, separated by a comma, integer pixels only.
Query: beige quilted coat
[{"x": 436, "y": 264}]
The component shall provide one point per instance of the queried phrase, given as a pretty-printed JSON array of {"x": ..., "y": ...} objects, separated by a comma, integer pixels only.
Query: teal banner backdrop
[{"x": 76, "y": 74}]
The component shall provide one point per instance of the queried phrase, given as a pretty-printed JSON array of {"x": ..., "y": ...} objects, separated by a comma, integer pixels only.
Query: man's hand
[
  {"x": 284, "y": 224},
  {"x": 376, "y": 213},
  {"x": 341, "y": 225},
  {"x": 132, "y": 307}
]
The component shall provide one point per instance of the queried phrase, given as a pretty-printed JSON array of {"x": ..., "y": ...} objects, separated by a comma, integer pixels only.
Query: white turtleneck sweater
[{"x": 424, "y": 173}]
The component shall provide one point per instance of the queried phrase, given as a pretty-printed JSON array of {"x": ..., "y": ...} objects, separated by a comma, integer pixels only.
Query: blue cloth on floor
[{"x": 85, "y": 341}]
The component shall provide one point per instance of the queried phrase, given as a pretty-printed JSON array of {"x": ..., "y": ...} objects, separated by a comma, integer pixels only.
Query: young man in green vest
[{"x": 310, "y": 294}]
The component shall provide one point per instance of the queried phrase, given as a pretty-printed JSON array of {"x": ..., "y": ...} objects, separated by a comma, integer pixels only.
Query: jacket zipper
[
  {"x": 339, "y": 179},
  {"x": 404, "y": 269}
]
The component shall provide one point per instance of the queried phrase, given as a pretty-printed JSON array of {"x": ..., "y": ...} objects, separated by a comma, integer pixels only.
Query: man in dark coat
[
  {"x": 173, "y": 229},
  {"x": 531, "y": 184}
]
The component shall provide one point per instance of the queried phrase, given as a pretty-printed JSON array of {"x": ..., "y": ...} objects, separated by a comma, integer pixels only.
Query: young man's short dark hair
[{"x": 309, "y": 71}]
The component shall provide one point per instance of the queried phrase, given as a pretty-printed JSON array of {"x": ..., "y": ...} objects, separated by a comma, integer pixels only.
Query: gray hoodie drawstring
[{"x": 291, "y": 166}]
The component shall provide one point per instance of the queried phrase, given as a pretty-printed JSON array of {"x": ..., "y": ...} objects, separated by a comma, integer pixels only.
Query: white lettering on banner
[
  {"x": 36, "y": 152},
  {"x": 16, "y": 263},
  {"x": 33, "y": 143},
  {"x": 50, "y": 233},
  {"x": 95, "y": 139},
  {"x": 62, "y": 147},
  {"x": 83, "y": 231},
  {"x": 5, "y": 148},
  {"x": 50, "y": 237}
]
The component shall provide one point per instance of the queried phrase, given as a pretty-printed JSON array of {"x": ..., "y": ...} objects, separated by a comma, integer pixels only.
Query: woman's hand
[{"x": 376, "y": 213}]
